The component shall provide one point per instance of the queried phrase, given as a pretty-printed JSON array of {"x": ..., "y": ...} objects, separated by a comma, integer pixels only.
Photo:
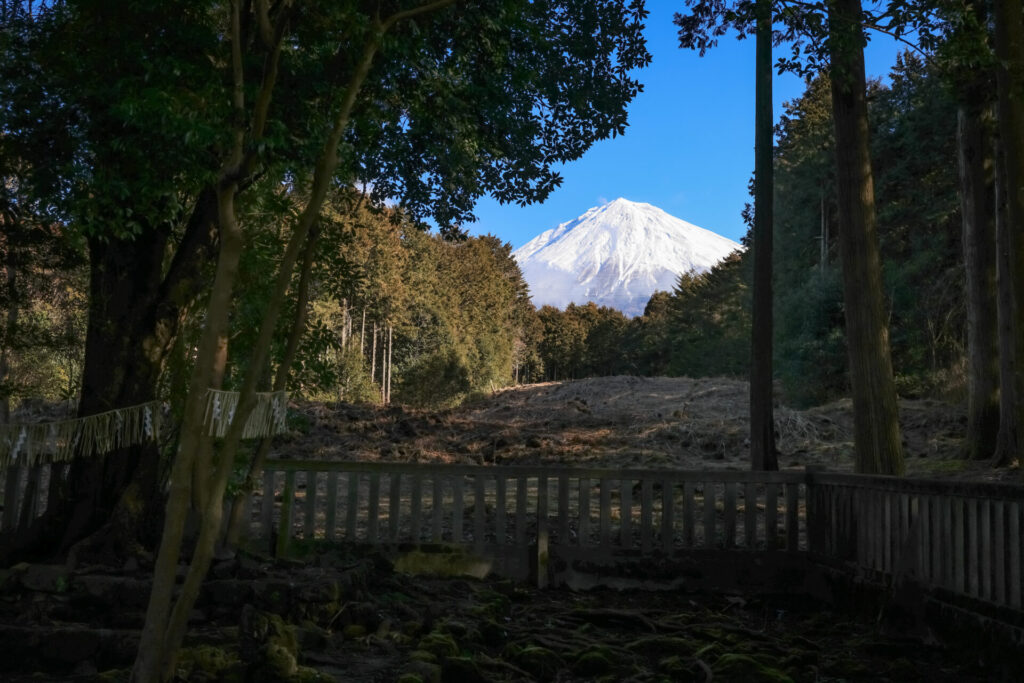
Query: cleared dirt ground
[{"x": 623, "y": 421}]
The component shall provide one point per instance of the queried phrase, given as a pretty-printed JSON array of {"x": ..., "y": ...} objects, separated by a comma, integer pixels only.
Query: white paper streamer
[{"x": 266, "y": 418}]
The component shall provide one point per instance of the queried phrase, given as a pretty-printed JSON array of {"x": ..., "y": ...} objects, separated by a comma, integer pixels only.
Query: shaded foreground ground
[{"x": 351, "y": 618}]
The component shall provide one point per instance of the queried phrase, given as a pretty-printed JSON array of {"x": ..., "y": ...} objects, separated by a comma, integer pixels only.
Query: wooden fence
[
  {"x": 23, "y": 493},
  {"x": 961, "y": 537},
  {"x": 478, "y": 506}
]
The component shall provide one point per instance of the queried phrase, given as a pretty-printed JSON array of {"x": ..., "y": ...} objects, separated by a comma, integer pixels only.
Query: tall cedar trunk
[
  {"x": 1006, "y": 439},
  {"x": 373, "y": 355},
  {"x": 391, "y": 343},
  {"x": 134, "y": 317},
  {"x": 344, "y": 325},
  {"x": 1009, "y": 47},
  {"x": 979, "y": 244},
  {"x": 762, "y": 422},
  {"x": 875, "y": 411}
]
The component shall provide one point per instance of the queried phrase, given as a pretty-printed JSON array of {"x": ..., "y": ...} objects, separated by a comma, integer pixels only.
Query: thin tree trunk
[
  {"x": 391, "y": 338},
  {"x": 10, "y": 328},
  {"x": 298, "y": 327},
  {"x": 151, "y": 660},
  {"x": 373, "y": 355},
  {"x": 1009, "y": 48},
  {"x": 979, "y": 244},
  {"x": 362, "y": 335},
  {"x": 344, "y": 325},
  {"x": 164, "y": 628},
  {"x": 875, "y": 411},
  {"x": 762, "y": 421}
]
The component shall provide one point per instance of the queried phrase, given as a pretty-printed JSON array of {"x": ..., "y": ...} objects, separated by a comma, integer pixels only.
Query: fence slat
[
  {"x": 985, "y": 565},
  {"x": 625, "y": 513},
  {"x": 792, "y": 517},
  {"x": 942, "y": 523},
  {"x": 542, "y": 508},
  {"x": 999, "y": 551},
  {"x": 542, "y": 531},
  {"x": 30, "y": 500},
  {"x": 668, "y": 522},
  {"x": 563, "y": 509},
  {"x": 771, "y": 517},
  {"x": 394, "y": 505},
  {"x": 309, "y": 509},
  {"x": 520, "y": 511},
  {"x": 750, "y": 515},
  {"x": 1016, "y": 579},
  {"x": 373, "y": 511},
  {"x": 959, "y": 575},
  {"x": 646, "y": 516},
  {"x": 284, "y": 524},
  {"x": 689, "y": 491},
  {"x": 606, "y": 512},
  {"x": 416, "y": 509},
  {"x": 584, "y": 506},
  {"x": 352, "y": 507},
  {"x": 331, "y": 515},
  {"x": 437, "y": 508},
  {"x": 479, "y": 512},
  {"x": 458, "y": 508},
  {"x": 972, "y": 568},
  {"x": 500, "y": 488},
  {"x": 709, "y": 515},
  {"x": 11, "y": 498},
  {"x": 729, "y": 514},
  {"x": 267, "y": 506},
  {"x": 924, "y": 551}
]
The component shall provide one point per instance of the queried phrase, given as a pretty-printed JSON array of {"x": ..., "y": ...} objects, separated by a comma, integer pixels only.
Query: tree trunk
[
  {"x": 134, "y": 317},
  {"x": 344, "y": 325},
  {"x": 391, "y": 339},
  {"x": 762, "y": 421},
  {"x": 298, "y": 327},
  {"x": 979, "y": 244},
  {"x": 373, "y": 355},
  {"x": 164, "y": 628},
  {"x": 362, "y": 334},
  {"x": 10, "y": 328},
  {"x": 1006, "y": 439},
  {"x": 875, "y": 411},
  {"x": 1009, "y": 48}
]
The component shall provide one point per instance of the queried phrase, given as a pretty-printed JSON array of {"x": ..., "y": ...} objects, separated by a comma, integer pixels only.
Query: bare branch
[
  {"x": 414, "y": 12},
  {"x": 263, "y": 21}
]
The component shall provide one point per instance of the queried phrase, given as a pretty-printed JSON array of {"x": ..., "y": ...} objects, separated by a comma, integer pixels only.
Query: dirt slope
[{"x": 621, "y": 421}]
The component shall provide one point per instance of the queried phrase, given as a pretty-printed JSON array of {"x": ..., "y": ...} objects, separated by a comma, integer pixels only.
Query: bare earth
[{"x": 623, "y": 421}]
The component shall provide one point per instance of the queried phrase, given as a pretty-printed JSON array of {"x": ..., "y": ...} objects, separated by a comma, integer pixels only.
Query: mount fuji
[{"x": 617, "y": 255}]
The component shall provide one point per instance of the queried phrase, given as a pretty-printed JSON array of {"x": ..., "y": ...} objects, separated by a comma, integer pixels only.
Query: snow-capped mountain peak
[{"x": 617, "y": 255}]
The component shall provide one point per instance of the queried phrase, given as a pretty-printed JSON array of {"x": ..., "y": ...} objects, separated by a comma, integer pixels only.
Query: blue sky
[{"x": 689, "y": 148}]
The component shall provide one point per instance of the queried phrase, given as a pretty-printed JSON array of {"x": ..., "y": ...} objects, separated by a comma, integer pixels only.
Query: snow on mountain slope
[{"x": 617, "y": 255}]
